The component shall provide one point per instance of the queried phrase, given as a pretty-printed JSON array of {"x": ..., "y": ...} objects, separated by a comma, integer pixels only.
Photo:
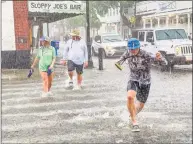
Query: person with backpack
[
  {"x": 139, "y": 62},
  {"x": 46, "y": 57},
  {"x": 76, "y": 57}
]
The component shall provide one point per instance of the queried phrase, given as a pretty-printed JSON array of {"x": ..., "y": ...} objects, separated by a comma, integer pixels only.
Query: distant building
[
  {"x": 111, "y": 22},
  {"x": 171, "y": 14},
  {"x": 151, "y": 14}
]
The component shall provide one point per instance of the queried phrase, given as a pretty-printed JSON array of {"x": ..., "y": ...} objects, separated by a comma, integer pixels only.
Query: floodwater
[{"x": 98, "y": 113}]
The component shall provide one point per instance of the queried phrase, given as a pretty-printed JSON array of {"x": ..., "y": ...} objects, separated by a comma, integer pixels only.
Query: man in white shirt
[{"x": 76, "y": 56}]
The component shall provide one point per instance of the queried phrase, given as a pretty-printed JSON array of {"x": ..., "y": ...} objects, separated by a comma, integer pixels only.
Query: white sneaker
[
  {"x": 70, "y": 84},
  {"x": 78, "y": 87},
  {"x": 135, "y": 128},
  {"x": 50, "y": 93},
  {"x": 44, "y": 94}
]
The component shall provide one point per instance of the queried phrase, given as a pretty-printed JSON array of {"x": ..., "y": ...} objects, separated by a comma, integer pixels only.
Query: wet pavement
[{"x": 98, "y": 113}]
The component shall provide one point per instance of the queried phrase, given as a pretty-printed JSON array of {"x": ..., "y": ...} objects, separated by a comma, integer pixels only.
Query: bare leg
[
  {"x": 50, "y": 79},
  {"x": 70, "y": 74},
  {"x": 45, "y": 81},
  {"x": 139, "y": 106},
  {"x": 70, "y": 81},
  {"x": 79, "y": 79},
  {"x": 131, "y": 105}
]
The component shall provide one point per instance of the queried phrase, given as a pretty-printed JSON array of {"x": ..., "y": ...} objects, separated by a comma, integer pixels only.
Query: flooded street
[
  {"x": 98, "y": 113},
  {"x": 92, "y": 39}
]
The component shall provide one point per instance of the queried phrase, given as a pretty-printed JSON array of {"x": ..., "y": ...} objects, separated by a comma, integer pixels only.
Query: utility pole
[
  {"x": 48, "y": 29},
  {"x": 135, "y": 14},
  {"x": 90, "y": 62}
]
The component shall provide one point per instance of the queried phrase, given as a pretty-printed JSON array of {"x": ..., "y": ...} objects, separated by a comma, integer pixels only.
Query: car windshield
[
  {"x": 170, "y": 34},
  {"x": 111, "y": 38}
]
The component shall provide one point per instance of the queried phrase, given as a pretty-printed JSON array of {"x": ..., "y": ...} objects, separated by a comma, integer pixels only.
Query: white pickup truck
[{"x": 172, "y": 43}]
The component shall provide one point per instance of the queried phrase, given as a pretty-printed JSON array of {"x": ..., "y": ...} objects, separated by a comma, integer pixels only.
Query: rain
[{"x": 98, "y": 110}]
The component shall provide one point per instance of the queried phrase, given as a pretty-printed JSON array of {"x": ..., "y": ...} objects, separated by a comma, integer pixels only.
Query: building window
[
  {"x": 113, "y": 12},
  {"x": 186, "y": 20},
  {"x": 162, "y": 21},
  {"x": 141, "y": 36},
  {"x": 117, "y": 10},
  {"x": 183, "y": 19},
  {"x": 170, "y": 21},
  {"x": 174, "y": 21},
  {"x": 149, "y": 36},
  {"x": 126, "y": 33},
  {"x": 130, "y": 5},
  {"x": 110, "y": 12},
  {"x": 125, "y": 10}
]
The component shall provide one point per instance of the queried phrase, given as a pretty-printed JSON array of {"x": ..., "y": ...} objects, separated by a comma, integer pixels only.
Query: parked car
[
  {"x": 173, "y": 43},
  {"x": 112, "y": 45}
]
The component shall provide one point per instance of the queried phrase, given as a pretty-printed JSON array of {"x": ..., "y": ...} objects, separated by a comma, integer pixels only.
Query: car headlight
[{"x": 108, "y": 47}]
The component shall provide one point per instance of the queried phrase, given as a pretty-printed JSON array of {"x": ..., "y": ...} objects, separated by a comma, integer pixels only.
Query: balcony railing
[{"x": 161, "y": 6}]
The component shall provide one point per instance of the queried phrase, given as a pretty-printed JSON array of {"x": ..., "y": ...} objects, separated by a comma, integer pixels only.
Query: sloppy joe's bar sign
[{"x": 56, "y": 7}]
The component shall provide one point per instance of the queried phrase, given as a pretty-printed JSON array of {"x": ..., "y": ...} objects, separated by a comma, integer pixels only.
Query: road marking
[
  {"x": 24, "y": 106},
  {"x": 53, "y": 112}
]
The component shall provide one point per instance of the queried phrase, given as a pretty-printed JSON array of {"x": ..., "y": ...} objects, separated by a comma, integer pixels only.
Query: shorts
[
  {"x": 72, "y": 66},
  {"x": 142, "y": 91}
]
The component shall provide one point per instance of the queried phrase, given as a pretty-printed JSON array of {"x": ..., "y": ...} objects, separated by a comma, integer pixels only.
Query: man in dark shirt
[{"x": 139, "y": 62}]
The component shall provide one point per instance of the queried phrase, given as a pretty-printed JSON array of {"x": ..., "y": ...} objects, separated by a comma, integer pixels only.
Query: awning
[{"x": 50, "y": 11}]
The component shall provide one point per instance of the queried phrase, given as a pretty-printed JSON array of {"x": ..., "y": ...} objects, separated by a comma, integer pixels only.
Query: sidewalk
[
  {"x": 21, "y": 74},
  {"x": 18, "y": 74}
]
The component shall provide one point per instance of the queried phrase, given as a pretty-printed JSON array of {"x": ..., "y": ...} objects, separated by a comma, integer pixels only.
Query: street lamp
[{"x": 90, "y": 62}]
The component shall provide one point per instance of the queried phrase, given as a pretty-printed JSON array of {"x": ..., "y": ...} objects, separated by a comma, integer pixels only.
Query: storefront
[{"x": 18, "y": 20}]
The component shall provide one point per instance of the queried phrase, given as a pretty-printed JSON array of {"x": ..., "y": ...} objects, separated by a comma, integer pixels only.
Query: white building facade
[
  {"x": 153, "y": 14},
  {"x": 8, "y": 32},
  {"x": 111, "y": 22},
  {"x": 172, "y": 14}
]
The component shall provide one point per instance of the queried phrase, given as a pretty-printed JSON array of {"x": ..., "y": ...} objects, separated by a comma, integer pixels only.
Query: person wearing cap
[
  {"x": 76, "y": 56},
  {"x": 139, "y": 62},
  {"x": 46, "y": 57}
]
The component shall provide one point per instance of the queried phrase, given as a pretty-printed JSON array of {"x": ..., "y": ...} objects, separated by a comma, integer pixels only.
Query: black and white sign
[{"x": 56, "y": 6}]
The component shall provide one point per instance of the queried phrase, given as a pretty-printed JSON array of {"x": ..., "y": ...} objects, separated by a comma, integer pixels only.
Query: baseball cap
[{"x": 45, "y": 38}]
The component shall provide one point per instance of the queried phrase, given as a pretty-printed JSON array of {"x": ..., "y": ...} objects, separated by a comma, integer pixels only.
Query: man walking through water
[
  {"x": 139, "y": 62},
  {"x": 76, "y": 56}
]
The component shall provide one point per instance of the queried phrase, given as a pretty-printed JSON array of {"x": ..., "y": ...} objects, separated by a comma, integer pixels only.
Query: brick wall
[{"x": 20, "y": 9}]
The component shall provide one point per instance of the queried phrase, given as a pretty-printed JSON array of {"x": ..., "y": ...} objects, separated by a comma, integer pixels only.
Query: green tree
[
  {"x": 74, "y": 22},
  {"x": 101, "y": 7},
  {"x": 81, "y": 20},
  {"x": 94, "y": 20}
]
